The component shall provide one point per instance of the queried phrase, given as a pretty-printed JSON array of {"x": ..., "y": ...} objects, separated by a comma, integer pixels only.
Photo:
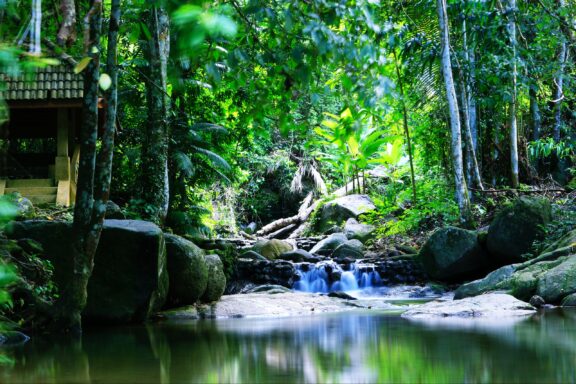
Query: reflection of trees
[{"x": 336, "y": 348}]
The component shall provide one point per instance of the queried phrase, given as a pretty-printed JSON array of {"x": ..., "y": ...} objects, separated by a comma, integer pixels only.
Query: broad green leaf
[
  {"x": 105, "y": 81},
  {"x": 82, "y": 64}
]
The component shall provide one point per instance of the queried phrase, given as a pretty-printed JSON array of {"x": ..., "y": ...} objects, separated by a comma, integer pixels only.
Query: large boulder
[
  {"x": 351, "y": 249},
  {"x": 216, "y": 279},
  {"x": 299, "y": 256},
  {"x": 129, "y": 281},
  {"x": 453, "y": 254},
  {"x": 516, "y": 227},
  {"x": 187, "y": 271},
  {"x": 552, "y": 276},
  {"x": 337, "y": 211},
  {"x": 355, "y": 230},
  {"x": 271, "y": 249},
  {"x": 326, "y": 246},
  {"x": 491, "y": 306}
]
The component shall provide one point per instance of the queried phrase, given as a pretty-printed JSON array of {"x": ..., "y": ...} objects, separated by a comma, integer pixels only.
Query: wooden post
[{"x": 62, "y": 162}]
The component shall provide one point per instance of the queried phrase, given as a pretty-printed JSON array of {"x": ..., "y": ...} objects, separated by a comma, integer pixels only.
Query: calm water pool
[{"x": 342, "y": 348}]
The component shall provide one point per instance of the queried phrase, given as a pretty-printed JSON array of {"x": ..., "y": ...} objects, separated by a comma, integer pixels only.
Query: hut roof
[{"x": 50, "y": 83}]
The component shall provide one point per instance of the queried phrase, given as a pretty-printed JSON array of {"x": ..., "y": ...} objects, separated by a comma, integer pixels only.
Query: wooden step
[
  {"x": 32, "y": 191},
  {"x": 42, "y": 199},
  {"x": 29, "y": 183}
]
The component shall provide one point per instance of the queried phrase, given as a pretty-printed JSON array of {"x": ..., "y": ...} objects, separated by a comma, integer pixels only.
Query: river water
[{"x": 351, "y": 347}]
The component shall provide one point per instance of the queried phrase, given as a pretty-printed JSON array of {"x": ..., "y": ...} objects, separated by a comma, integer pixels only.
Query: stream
[{"x": 352, "y": 347}]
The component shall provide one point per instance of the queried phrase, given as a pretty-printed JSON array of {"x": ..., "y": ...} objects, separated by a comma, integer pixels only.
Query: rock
[
  {"x": 341, "y": 295},
  {"x": 24, "y": 207},
  {"x": 113, "y": 211},
  {"x": 406, "y": 249},
  {"x": 558, "y": 282},
  {"x": 187, "y": 271},
  {"x": 216, "y": 279},
  {"x": 493, "y": 305},
  {"x": 486, "y": 284},
  {"x": 516, "y": 227},
  {"x": 329, "y": 244},
  {"x": 537, "y": 301},
  {"x": 269, "y": 288},
  {"x": 354, "y": 230},
  {"x": 453, "y": 254},
  {"x": 352, "y": 249},
  {"x": 129, "y": 281},
  {"x": 299, "y": 256},
  {"x": 333, "y": 229},
  {"x": 337, "y": 211},
  {"x": 271, "y": 249},
  {"x": 569, "y": 301},
  {"x": 251, "y": 255}
]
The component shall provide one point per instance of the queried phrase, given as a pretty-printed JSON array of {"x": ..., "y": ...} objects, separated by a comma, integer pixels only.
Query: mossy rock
[
  {"x": 558, "y": 282},
  {"x": 337, "y": 211},
  {"x": 216, "y": 279},
  {"x": 187, "y": 271},
  {"x": 453, "y": 254},
  {"x": 516, "y": 227},
  {"x": 271, "y": 249},
  {"x": 326, "y": 246}
]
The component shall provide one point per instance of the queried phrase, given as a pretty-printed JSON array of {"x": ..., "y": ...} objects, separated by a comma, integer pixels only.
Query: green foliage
[
  {"x": 397, "y": 214},
  {"x": 546, "y": 147}
]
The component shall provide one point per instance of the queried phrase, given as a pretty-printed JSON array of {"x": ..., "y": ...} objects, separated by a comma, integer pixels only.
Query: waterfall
[{"x": 328, "y": 276}]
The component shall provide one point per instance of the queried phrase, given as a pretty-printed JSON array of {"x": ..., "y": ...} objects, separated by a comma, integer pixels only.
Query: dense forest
[{"x": 239, "y": 118}]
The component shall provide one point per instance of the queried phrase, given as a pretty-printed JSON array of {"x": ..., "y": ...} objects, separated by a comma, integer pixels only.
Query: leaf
[
  {"x": 82, "y": 64},
  {"x": 214, "y": 158},
  {"x": 105, "y": 81}
]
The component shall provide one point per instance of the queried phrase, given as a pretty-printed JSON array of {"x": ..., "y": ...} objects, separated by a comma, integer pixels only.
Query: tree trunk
[
  {"x": 470, "y": 80},
  {"x": 73, "y": 298},
  {"x": 405, "y": 122},
  {"x": 536, "y": 119},
  {"x": 67, "y": 31},
  {"x": 559, "y": 80},
  {"x": 155, "y": 186},
  {"x": 455, "y": 131},
  {"x": 513, "y": 102},
  {"x": 104, "y": 160},
  {"x": 472, "y": 163}
]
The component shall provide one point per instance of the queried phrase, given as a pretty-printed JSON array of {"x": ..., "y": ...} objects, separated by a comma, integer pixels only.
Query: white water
[{"x": 328, "y": 276}]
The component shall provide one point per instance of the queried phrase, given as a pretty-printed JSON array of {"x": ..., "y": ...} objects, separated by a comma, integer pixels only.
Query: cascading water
[{"x": 328, "y": 276}]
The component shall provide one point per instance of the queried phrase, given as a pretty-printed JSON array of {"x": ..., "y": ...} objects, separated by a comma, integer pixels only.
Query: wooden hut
[{"x": 39, "y": 151}]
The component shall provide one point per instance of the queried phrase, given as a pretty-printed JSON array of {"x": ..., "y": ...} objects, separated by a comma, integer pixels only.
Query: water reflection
[{"x": 346, "y": 348}]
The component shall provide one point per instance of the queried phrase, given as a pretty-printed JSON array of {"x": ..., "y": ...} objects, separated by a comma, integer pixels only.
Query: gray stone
[
  {"x": 354, "y": 230},
  {"x": 326, "y": 246},
  {"x": 453, "y": 254},
  {"x": 216, "y": 279},
  {"x": 271, "y": 249},
  {"x": 298, "y": 256},
  {"x": 130, "y": 279},
  {"x": 558, "y": 282},
  {"x": 251, "y": 255},
  {"x": 486, "y": 284},
  {"x": 516, "y": 227},
  {"x": 187, "y": 271},
  {"x": 113, "y": 211},
  {"x": 337, "y": 211},
  {"x": 492, "y": 305},
  {"x": 351, "y": 249},
  {"x": 537, "y": 301},
  {"x": 569, "y": 301}
]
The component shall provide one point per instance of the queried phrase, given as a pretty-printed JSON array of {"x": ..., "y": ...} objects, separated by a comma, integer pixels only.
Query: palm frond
[
  {"x": 318, "y": 179},
  {"x": 214, "y": 158}
]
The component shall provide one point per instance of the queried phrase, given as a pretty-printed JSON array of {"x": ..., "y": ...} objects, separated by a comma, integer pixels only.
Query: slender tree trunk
[
  {"x": 559, "y": 80},
  {"x": 73, "y": 298},
  {"x": 514, "y": 92},
  {"x": 155, "y": 185},
  {"x": 456, "y": 139},
  {"x": 470, "y": 81},
  {"x": 472, "y": 166},
  {"x": 67, "y": 31},
  {"x": 103, "y": 172},
  {"x": 536, "y": 119},
  {"x": 405, "y": 122}
]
